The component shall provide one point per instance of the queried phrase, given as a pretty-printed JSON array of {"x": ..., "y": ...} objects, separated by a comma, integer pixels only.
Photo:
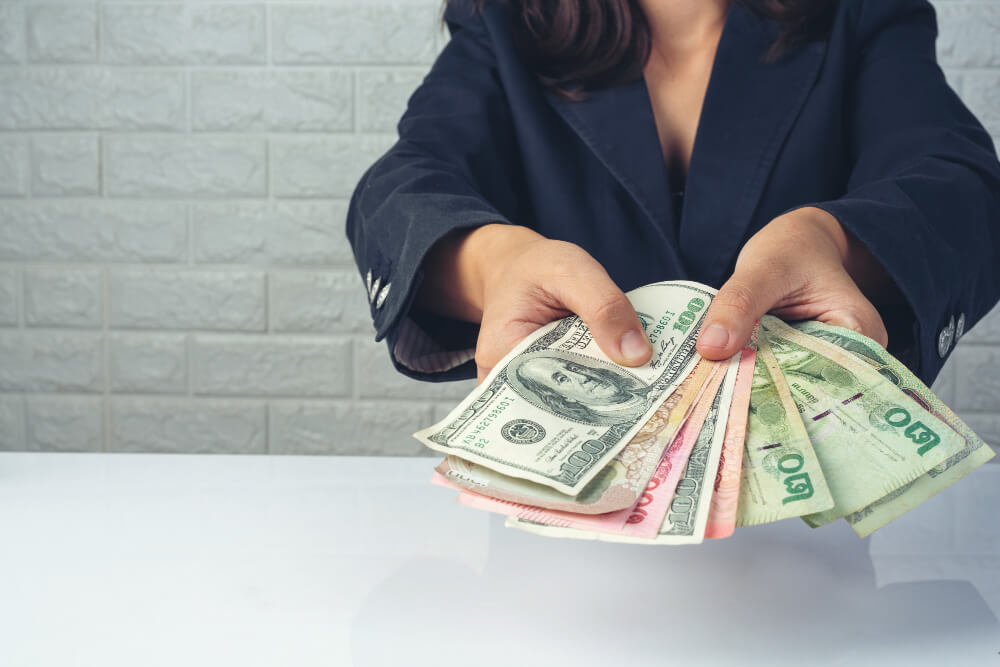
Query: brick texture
[
  {"x": 63, "y": 297},
  {"x": 176, "y": 34},
  {"x": 174, "y": 181},
  {"x": 62, "y": 33},
  {"x": 182, "y": 299},
  {"x": 14, "y": 166},
  {"x": 63, "y": 165},
  {"x": 65, "y": 423},
  {"x": 144, "y": 363}
]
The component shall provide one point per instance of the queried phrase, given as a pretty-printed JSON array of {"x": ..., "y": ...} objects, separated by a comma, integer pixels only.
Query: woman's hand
[
  {"x": 801, "y": 265},
  {"x": 513, "y": 281}
]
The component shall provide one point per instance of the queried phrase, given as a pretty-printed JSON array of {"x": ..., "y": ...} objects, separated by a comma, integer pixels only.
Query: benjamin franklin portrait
[{"x": 583, "y": 389}]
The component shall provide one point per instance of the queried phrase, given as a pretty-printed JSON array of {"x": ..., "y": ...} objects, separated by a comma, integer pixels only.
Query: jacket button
[
  {"x": 960, "y": 326},
  {"x": 946, "y": 337}
]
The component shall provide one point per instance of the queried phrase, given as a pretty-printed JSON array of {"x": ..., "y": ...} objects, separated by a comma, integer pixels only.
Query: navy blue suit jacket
[{"x": 862, "y": 125}]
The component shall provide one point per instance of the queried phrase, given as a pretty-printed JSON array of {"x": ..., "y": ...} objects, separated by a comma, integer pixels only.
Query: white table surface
[{"x": 146, "y": 559}]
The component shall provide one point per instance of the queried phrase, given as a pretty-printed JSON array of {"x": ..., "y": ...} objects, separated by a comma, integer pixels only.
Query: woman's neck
[{"x": 679, "y": 27}]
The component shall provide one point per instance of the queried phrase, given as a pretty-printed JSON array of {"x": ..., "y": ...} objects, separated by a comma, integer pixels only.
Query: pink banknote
[
  {"x": 642, "y": 519},
  {"x": 722, "y": 511}
]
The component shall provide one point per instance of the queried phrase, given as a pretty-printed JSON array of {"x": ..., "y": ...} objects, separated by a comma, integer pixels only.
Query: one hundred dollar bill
[
  {"x": 782, "y": 475},
  {"x": 619, "y": 484},
  {"x": 686, "y": 513},
  {"x": 644, "y": 517},
  {"x": 556, "y": 410},
  {"x": 871, "y": 438},
  {"x": 974, "y": 454}
]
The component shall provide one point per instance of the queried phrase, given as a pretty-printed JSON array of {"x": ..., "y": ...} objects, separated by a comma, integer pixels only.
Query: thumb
[
  {"x": 741, "y": 301},
  {"x": 610, "y": 316}
]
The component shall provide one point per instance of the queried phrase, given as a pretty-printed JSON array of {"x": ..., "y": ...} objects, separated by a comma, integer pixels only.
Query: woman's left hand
[{"x": 802, "y": 265}]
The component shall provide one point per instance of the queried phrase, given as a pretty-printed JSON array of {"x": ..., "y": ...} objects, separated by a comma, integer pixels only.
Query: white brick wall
[{"x": 174, "y": 177}]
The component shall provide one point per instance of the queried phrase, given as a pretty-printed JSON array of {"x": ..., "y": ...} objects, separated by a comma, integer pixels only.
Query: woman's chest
[{"x": 676, "y": 94}]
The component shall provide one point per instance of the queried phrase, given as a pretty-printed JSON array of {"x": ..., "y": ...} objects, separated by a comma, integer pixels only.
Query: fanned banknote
[
  {"x": 619, "y": 483},
  {"x": 782, "y": 475},
  {"x": 556, "y": 410},
  {"x": 871, "y": 438},
  {"x": 726, "y": 490},
  {"x": 974, "y": 454},
  {"x": 687, "y": 513},
  {"x": 808, "y": 420},
  {"x": 637, "y": 519},
  {"x": 642, "y": 519}
]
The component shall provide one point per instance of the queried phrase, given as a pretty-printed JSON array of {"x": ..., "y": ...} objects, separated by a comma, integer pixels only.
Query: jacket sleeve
[
  {"x": 450, "y": 168},
  {"x": 924, "y": 191}
]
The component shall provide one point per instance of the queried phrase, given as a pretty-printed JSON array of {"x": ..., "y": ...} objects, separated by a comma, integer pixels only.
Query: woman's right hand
[{"x": 513, "y": 281}]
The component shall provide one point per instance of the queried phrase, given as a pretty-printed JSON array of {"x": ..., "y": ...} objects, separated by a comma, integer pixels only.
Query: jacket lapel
[
  {"x": 617, "y": 124},
  {"x": 748, "y": 111}
]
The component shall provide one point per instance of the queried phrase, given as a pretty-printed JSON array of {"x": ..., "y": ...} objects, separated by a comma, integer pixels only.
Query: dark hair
[{"x": 576, "y": 45}]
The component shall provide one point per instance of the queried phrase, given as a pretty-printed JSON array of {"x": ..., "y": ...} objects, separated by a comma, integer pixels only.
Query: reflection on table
[{"x": 115, "y": 559}]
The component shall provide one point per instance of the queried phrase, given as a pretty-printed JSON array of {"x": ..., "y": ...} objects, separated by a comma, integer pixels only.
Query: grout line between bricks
[
  {"x": 24, "y": 421},
  {"x": 99, "y": 27},
  {"x": 267, "y": 427},
  {"x": 356, "y": 107},
  {"x": 29, "y": 189},
  {"x": 355, "y": 370},
  {"x": 245, "y": 334},
  {"x": 321, "y": 67},
  {"x": 188, "y": 365},
  {"x": 235, "y": 135},
  {"x": 347, "y": 401},
  {"x": 189, "y": 231},
  {"x": 153, "y": 199},
  {"x": 102, "y": 191},
  {"x": 268, "y": 287},
  {"x": 337, "y": 267},
  {"x": 268, "y": 37},
  {"x": 106, "y": 352},
  {"x": 188, "y": 114},
  {"x": 338, "y": 401},
  {"x": 20, "y": 287},
  {"x": 268, "y": 180},
  {"x": 103, "y": 164}
]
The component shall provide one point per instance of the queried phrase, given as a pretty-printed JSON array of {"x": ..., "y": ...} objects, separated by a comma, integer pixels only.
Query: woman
[{"x": 806, "y": 157}]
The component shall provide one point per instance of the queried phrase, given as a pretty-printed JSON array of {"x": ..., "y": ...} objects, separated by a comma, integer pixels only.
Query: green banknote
[
  {"x": 781, "y": 475},
  {"x": 974, "y": 454},
  {"x": 872, "y": 439}
]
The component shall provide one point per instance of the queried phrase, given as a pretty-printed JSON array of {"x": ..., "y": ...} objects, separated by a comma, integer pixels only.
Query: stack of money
[{"x": 809, "y": 420}]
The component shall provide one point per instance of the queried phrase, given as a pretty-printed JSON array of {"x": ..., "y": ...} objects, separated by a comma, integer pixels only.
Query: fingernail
[
  {"x": 634, "y": 346},
  {"x": 714, "y": 336}
]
